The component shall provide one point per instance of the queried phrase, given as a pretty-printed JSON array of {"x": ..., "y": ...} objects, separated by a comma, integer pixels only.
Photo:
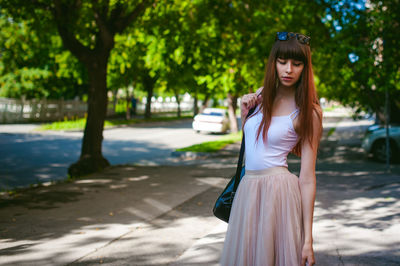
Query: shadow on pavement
[{"x": 44, "y": 158}]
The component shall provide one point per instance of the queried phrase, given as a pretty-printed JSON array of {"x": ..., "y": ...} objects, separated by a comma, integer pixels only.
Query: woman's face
[{"x": 289, "y": 71}]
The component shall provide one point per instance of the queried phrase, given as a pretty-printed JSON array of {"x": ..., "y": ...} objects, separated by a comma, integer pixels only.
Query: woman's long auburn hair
[{"x": 305, "y": 95}]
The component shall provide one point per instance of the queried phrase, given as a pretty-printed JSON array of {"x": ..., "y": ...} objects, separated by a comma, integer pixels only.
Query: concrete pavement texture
[{"x": 161, "y": 215}]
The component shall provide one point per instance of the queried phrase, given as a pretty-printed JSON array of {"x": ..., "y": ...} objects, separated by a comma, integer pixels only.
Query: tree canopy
[
  {"x": 218, "y": 49},
  {"x": 34, "y": 64}
]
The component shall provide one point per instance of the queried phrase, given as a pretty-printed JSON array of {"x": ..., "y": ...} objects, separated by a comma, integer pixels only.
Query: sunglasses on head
[{"x": 284, "y": 36}]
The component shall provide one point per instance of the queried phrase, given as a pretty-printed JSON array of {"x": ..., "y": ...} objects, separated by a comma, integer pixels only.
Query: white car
[{"x": 213, "y": 120}]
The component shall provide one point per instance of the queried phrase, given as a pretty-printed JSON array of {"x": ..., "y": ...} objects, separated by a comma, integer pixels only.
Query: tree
[{"x": 87, "y": 30}]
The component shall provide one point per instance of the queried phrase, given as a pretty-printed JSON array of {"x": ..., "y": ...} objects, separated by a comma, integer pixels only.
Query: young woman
[{"x": 271, "y": 218}]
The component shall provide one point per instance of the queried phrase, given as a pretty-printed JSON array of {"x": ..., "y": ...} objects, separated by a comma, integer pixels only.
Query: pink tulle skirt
[{"x": 265, "y": 225}]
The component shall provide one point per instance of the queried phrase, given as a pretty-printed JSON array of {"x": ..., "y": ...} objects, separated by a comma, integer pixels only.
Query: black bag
[{"x": 223, "y": 205}]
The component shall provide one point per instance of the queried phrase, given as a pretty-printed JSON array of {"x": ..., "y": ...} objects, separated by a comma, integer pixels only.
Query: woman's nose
[{"x": 289, "y": 67}]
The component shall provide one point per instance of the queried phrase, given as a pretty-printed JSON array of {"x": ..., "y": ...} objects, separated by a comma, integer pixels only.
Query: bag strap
[{"x": 241, "y": 155}]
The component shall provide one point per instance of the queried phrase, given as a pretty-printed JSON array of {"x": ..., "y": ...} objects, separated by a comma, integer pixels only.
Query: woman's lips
[{"x": 287, "y": 78}]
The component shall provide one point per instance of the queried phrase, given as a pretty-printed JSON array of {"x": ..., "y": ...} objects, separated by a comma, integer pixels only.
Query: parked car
[
  {"x": 213, "y": 120},
  {"x": 374, "y": 142}
]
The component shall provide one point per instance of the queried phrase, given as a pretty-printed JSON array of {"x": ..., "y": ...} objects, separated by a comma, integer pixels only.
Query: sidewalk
[
  {"x": 143, "y": 213},
  {"x": 146, "y": 215}
]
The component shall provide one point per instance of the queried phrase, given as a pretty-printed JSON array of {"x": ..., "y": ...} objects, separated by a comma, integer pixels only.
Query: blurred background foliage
[{"x": 210, "y": 49}]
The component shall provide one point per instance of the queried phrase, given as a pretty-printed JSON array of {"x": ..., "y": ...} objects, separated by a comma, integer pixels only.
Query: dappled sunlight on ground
[
  {"x": 357, "y": 207},
  {"x": 74, "y": 243},
  {"x": 46, "y": 226},
  {"x": 207, "y": 250}
]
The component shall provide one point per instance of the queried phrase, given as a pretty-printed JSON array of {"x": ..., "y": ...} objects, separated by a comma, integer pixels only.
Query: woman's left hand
[{"x": 307, "y": 255}]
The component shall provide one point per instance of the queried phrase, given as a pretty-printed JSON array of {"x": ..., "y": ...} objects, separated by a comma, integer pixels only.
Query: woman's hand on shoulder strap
[{"x": 251, "y": 99}]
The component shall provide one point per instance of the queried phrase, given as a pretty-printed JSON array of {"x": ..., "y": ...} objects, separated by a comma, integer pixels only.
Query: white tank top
[{"x": 281, "y": 139}]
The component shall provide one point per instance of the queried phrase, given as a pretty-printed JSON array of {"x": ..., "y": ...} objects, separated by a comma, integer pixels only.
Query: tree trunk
[
  {"x": 232, "y": 112},
  {"x": 147, "y": 113},
  {"x": 234, "y": 103},
  {"x": 128, "y": 108},
  {"x": 205, "y": 103},
  {"x": 195, "y": 105},
  {"x": 149, "y": 86},
  {"x": 128, "y": 101},
  {"x": 91, "y": 159},
  {"x": 178, "y": 102},
  {"x": 115, "y": 100}
]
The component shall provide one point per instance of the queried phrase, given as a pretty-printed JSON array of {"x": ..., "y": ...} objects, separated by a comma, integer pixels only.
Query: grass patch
[
  {"x": 331, "y": 108},
  {"x": 65, "y": 125},
  {"x": 213, "y": 146},
  {"x": 331, "y": 131},
  {"x": 79, "y": 124},
  {"x": 143, "y": 120}
]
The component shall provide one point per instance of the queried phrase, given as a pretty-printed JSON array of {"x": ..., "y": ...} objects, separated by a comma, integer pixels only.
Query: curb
[{"x": 190, "y": 155}]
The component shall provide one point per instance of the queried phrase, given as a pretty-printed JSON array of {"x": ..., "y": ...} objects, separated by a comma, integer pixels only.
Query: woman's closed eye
[
  {"x": 282, "y": 62},
  {"x": 295, "y": 63}
]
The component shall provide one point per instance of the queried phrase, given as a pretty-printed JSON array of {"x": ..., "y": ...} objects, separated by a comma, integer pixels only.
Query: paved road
[{"x": 28, "y": 157}]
